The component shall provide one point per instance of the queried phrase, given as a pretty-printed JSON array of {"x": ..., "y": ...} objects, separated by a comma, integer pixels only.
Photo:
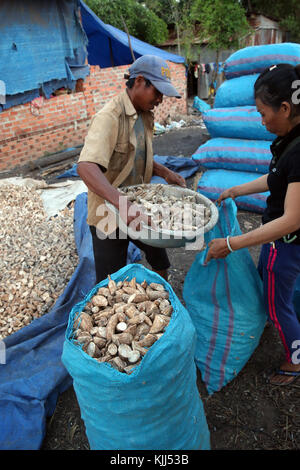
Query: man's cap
[{"x": 157, "y": 71}]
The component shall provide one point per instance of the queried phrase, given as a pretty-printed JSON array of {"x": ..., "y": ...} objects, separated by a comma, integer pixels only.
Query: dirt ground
[{"x": 248, "y": 413}]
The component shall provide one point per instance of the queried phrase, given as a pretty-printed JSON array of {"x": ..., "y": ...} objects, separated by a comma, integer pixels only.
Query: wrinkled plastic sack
[
  {"x": 214, "y": 182},
  {"x": 160, "y": 129},
  {"x": 200, "y": 105},
  {"x": 235, "y": 154},
  {"x": 242, "y": 122},
  {"x": 236, "y": 92},
  {"x": 225, "y": 302},
  {"x": 254, "y": 59},
  {"x": 157, "y": 406}
]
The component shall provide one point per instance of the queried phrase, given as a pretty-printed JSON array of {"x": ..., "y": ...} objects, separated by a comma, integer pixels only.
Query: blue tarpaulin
[
  {"x": 42, "y": 47},
  {"x": 185, "y": 166},
  {"x": 108, "y": 46}
]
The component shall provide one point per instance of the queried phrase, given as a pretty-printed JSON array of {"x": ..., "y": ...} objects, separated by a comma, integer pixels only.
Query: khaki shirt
[{"x": 111, "y": 143}]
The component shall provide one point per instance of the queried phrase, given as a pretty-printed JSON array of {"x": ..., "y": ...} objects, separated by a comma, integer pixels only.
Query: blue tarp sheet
[
  {"x": 107, "y": 42},
  {"x": 185, "y": 166},
  {"x": 42, "y": 46}
]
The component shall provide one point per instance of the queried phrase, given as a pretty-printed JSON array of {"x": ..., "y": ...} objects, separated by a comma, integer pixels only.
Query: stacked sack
[{"x": 239, "y": 149}]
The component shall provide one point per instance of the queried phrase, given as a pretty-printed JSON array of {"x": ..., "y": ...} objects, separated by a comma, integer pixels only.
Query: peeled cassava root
[
  {"x": 182, "y": 212},
  {"x": 122, "y": 321}
]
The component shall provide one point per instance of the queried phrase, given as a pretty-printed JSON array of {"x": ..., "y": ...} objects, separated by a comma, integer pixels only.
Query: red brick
[{"x": 30, "y": 136}]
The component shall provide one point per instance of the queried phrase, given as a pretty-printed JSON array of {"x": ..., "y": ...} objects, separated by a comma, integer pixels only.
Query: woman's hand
[
  {"x": 174, "y": 178},
  {"x": 217, "y": 249},
  {"x": 230, "y": 192}
]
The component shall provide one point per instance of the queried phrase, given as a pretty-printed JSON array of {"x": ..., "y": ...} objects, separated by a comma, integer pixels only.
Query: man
[{"x": 118, "y": 152}]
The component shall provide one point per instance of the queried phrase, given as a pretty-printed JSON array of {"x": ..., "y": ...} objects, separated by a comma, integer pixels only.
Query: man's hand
[
  {"x": 134, "y": 216},
  {"x": 174, "y": 178}
]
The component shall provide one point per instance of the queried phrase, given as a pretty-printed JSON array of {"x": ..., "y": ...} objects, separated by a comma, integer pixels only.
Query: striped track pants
[{"x": 279, "y": 267}]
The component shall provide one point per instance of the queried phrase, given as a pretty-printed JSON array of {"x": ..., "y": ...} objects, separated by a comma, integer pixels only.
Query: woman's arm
[
  {"x": 259, "y": 185},
  {"x": 289, "y": 222}
]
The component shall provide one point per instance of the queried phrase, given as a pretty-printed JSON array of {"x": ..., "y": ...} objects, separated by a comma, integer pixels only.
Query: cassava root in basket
[
  {"x": 175, "y": 213},
  {"x": 124, "y": 326}
]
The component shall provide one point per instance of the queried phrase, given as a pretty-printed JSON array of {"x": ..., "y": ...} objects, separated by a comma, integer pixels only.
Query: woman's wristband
[{"x": 228, "y": 244}]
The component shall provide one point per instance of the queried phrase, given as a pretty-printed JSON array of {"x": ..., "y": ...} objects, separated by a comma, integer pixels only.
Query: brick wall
[{"x": 62, "y": 121}]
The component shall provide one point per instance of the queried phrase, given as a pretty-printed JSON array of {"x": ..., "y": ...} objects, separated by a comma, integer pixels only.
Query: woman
[{"x": 277, "y": 101}]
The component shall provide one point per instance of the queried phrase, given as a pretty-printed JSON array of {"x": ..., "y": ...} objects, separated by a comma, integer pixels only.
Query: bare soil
[{"x": 248, "y": 413}]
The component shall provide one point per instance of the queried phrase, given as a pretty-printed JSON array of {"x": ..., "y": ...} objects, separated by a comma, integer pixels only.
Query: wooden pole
[{"x": 129, "y": 42}]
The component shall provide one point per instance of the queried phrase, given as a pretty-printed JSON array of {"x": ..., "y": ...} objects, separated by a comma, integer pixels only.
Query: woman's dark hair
[
  {"x": 130, "y": 82},
  {"x": 275, "y": 85}
]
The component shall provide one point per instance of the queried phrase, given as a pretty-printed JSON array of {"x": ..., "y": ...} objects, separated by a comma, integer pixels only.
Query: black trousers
[{"x": 111, "y": 254}]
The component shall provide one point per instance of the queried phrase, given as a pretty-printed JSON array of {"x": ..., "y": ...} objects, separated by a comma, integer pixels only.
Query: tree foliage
[
  {"x": 178, "y": 14},
  {"x": 222, "y": 22},
  {"x": 286, "y": 12},
  {"x": 141, "y": 22}
]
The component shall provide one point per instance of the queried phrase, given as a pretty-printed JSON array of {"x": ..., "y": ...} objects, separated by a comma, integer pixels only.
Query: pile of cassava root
[
  {"x": 121, "y": 321},
  {"x": 37, "y": 257}
]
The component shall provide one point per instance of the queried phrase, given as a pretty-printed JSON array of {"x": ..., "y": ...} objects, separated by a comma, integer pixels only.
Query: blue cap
[{"x": 157, "y": 71}]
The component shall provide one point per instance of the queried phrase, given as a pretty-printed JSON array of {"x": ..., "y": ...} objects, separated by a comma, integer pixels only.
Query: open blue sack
[
  {"x": 242, "y": 122},
  {"x": 158, "y": 405},
  {"x": 235, "y": 154},
  {"x": 225, "y": 302},
  {"x": 236, "y": 92},
  {"x": 254, "y": 59},
  {"x": 214, "y": 182}
]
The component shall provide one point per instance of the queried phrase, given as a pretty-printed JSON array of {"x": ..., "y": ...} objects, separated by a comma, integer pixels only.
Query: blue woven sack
[
  {"x": 225, "y": 302},
  {"x": 236, "y": 92},
  {"x": 242, "y": 122},
  {"x": 235, "y": 154},
  {"x": 158, "y": 405},
  {"x": 214, "y": 182},
  {"x": 254, "y": 59},
  {"x": 200, "y": 105}
]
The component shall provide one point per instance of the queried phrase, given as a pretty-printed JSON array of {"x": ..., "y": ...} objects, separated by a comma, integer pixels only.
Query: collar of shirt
[
  {"x": 280, "y": 143},
  {"x": 129, "y": 108}
]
